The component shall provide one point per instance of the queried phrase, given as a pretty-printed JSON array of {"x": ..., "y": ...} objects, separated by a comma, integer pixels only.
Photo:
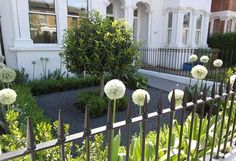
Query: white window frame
[
  {"x": 110, "y": 15},
  {"x": 229, "y": 27},
  {"x": 47, "y": 14},
  {"x": 198, "y": 31}
]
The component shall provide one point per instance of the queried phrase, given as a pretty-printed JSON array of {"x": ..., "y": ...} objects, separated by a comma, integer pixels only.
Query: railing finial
[
  {"x": 221, "y": 88},
  {"x": 30, "y": 136},
  {"x": 160, "y": 105},
  {"x": 204, "y": 96},
  {"x": 213, "y": 90},
  {"x": 185, "y": 97},
  {"x": 228, "y": 86},
  {"x": 172, "y": 102},
  {"x": 234, "y": 85},
  {"x": 195, "y": 94}
]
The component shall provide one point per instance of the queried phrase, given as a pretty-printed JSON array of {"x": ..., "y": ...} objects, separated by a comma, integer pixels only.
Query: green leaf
[{"x": 115, "y": 147}]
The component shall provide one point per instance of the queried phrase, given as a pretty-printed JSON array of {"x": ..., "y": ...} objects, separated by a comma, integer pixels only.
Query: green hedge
[
  {"x": 26, "y": 101},
  {"x": 222, "y": 41}
]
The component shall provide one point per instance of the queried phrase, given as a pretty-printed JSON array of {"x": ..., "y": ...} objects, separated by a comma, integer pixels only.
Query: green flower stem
[
  {"x": 140, "y": 128},
  {"x": 113, "y": 117}
]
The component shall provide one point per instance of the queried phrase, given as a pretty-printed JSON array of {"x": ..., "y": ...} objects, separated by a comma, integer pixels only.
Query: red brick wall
[{"x": 222, "y": 5}]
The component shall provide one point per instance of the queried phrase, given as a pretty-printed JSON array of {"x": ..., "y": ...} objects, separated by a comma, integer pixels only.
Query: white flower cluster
[
  {"x": 7, "y": 75},
  {"x": 138, "y": 97},
  {"x": 2, "y": 66},
  {"x": 193, "y": 58},
  {"x": 179, "y": 94},
  {"x": 218, "y": 63},
  {"x": 199, "y": 72},
  {"x": 232, "y": 79},
  {"x": 204, "y": 59},
  {"x": 7, "y": 96},
  {"x": 114, "y": 89}
]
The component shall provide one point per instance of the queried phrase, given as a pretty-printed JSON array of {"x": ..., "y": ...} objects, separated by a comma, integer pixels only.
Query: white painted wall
[{"x": 20, "y": 50}]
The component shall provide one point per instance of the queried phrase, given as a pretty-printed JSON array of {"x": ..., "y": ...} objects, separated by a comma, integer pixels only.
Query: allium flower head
[
  {"x": 199, "y": 72},
  {"x": 7, "y": 96},
  {"x": 232, "y": 79},
  {"x": 7, "y": 75},
  {"x": 2, "y": 65},
  {"x": 33, "y": 62},
  {"x": 114, "y": 89},
  {"x": 218, "y": 63},
  {"x": 138, "y": 97},
  {"x": 204, "y": 59},
  {"x": 193, "y": 58},
  {"x": 179, "y": 94},
  {"x": 2, "y": 58}
]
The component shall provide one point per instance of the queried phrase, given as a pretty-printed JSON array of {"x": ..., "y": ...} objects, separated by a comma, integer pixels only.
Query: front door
[{"x": 1, "y": 41}]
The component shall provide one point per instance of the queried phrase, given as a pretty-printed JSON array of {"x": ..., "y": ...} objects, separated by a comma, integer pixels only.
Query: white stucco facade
[{"x": 152, "y": 27}]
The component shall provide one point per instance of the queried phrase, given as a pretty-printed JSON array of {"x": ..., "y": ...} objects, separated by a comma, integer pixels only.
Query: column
[
  {"x": 233, "y": 27},
  {"x": 211, "y": 25},
  {"x": 175, "y": 28},
  {"x": 192, "y": 28},
  {"x": 206, "y": 18},
  {"x": 225, "y": 25},
  {"x": 149, "y": 12},
  {"x": 129, "y": 14},
  {"x": 179, "y": 28},
  {"x": 61, "y": 13},
  {"x": 20, "y": 18}
]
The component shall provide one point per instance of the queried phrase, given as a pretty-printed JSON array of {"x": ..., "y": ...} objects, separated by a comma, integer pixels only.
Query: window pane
[
  {"x": 110, "y": 9},
  {"x": 43, "y": 28},
  {"x": 136, "y": 13},
  {"x": 42, "y": 5},
  {"x": 229, "y": 25},
  {"x": 198, "y": 37},
  {"x": 77, "y": 7},
  {"x": 186, "y": 20},
  {"x": 73, "y": 21},
  {"x": 169, "y": 36},
  {"x": 170, "y": 17},
  {"x": 185, "y": 37},
  {"x": 216, "y": 26},
  {"x": 199, "y": 22}
]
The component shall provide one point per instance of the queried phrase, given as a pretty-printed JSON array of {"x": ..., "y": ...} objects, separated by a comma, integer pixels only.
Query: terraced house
[{"x": 34, "y": 29}]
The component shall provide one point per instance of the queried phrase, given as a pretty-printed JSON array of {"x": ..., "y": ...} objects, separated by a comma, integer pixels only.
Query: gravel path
[{"x": 51, "y": 103}]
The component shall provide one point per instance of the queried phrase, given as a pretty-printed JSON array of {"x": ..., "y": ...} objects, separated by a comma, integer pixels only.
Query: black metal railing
[
  {"x": 218, "y": 100},
  {"x": 176, "y": 61}
]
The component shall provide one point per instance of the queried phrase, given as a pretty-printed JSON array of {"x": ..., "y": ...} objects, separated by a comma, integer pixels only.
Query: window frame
[
  {"x": 112, "y": 16},
  {"x": 169, "y": 29},
  {"x": 186, "y": 30},
  {"x": 30, "y": 12}
]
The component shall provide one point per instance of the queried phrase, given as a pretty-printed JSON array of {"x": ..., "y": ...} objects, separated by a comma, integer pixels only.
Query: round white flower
[
  {"x": 114, "y": 89},
  {"x": 232, "y": 79},
  {"x": 199, "y": 72},
  {"x": 2, "y": 65},
  {"x": 179, "y": 94},
  {"x": 7, "y": 75},
  {"x": 218, "y": 63},
  {"x": 7, "y": 96},
  {"x": 138, "y": 97},
  {"x": 193, "y": 58},
  {"x": 204, "y": 59}
]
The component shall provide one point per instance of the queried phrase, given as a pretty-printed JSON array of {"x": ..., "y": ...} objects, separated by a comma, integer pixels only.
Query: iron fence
[
  {"x": 220, "y": 98},
  {"x": 176, "y": 61}
]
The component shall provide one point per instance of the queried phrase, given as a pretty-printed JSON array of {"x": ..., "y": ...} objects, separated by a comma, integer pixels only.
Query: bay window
[
  {"x": 169, "y": 30},
  {"x": 185, "y": 32},
  {"x": 75, "y": 9},
  {"x": 43, "y": 24},
  {"x": 198, "y": 30}
]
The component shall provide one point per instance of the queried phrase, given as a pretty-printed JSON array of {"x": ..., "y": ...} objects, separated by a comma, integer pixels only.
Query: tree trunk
[{"x": 101, "y": 85}]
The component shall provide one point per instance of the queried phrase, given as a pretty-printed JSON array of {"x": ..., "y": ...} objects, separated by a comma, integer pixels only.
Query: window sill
[{"x": 38, "y": 47}]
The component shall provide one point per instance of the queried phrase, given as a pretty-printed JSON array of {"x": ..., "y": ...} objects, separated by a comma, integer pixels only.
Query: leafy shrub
[
  {"x": 135, "y": 81},
  {"x": 21, "y": 77},
  {"x": 97, "y": 105},
  {"x": 222, "y": 40}
]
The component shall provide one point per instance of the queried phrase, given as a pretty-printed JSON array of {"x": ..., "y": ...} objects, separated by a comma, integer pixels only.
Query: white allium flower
[
  {"x": 114, "y": 89},
  {"x": 2, "y": 58},
  {"x": 199, "y": 72},
  {"x": 218, "y": 63},
  {"x": 7, "y": 75},
  {"x": 179, "y": 94},
  {"x": 193, "y": 58},
  {"x": 2, "y": 65},
  {"x": 204, "y": 59},
  {"x": 232, "y": 79},
  {"x": 138, "y": 97},
  {"x": 7, "y": 96}
]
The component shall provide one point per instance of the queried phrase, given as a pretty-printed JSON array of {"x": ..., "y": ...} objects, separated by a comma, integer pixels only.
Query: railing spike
[
  {"x": 30, "y": 136},
  {"x": 128, "y": 114},
  {"x": 204, "y": 96},
  {"x": 213, "y": 90},
  {"x": 228, "y": 86},
  {"x": 60, "y": 130},
  {"x": 185, "y": 97},
  {"x": 160, "y": 105},
  {"x": 221, "y": 88},
  {"x": 195, "y": 94},
  {"x": 172, "y": 102},
  {"x": 234, "y": 85},
  {"x": 145, "y": 108}
]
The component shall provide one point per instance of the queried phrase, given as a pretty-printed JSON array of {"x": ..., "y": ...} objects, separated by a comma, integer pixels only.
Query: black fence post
[
  {"x": 61, "y": 136},
  {"x": 87, "y": 132},
  {"x": 30, "y": 140}
]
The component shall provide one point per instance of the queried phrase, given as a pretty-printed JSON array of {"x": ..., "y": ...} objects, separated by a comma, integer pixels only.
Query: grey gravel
[{"x": 51, "y": 103}]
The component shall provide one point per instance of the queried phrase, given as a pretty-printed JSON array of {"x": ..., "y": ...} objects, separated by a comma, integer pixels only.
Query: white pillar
[
  {"x": 211, "y": 26},
  {"x": 233, "y": 25},
  {"x": 225, "y": 25},
  {"x": 149, "y": 26},
  {"x": 20, "y": 18},
  {"x": 129, "y": 14},
  {"x": 192, "y": 29},
  {"x": 206, "y": 19},
  {"x": 179, "y": 28},
  {"x": 175, "y": 28},
  {"x": 61, "y": 13}
]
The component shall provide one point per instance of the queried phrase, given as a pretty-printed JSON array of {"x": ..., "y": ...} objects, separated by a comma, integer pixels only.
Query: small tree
[{"x": 99, "y": 46}]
